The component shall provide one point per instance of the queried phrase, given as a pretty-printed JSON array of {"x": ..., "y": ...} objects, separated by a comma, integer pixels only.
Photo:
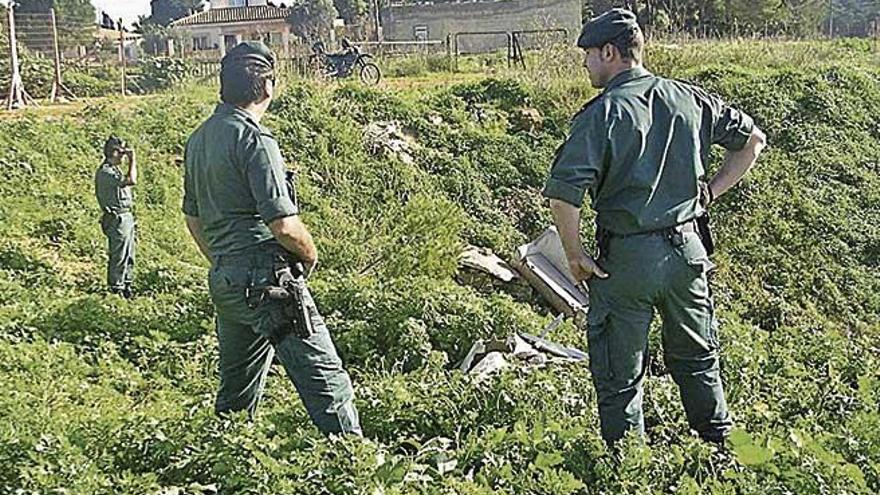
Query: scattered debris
[
  {"x": 487, "y": 357},
  {"x": 490, "y": 363},
  {"x": 559, "y": 350},
  {"x": 389, "y": 139},
  {"x": 483, "y": 270},
  {"x": 543, "y": 265},
  {"x": 485, "y": 261}
]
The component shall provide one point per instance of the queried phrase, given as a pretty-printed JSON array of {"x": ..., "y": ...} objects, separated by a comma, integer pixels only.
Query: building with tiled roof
[{"x": 229, "y": 22}]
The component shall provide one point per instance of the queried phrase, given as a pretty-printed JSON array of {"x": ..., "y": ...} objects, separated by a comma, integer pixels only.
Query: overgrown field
[{"x": 102, "y": 395}]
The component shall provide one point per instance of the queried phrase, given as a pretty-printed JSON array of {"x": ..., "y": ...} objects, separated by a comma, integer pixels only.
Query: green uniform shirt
[
  {"x": 640, "y": 149},
  {"x": 113, "y": 197},
  {"x": 235, "y": 181}
]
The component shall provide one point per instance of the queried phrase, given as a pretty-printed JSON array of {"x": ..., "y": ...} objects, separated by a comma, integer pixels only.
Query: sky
[{"x": 128, "y": 10}]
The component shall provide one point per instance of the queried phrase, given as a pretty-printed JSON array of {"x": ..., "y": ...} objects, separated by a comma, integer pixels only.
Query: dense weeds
[{"x": 108, "y": 396}]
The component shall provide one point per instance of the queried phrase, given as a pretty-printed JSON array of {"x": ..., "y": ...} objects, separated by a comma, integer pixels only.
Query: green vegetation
[{"x": 103, "y": 395}]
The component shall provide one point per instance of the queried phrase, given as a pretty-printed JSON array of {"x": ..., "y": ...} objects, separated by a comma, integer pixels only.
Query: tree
[
  {"x": 352, "y": 11},
  {"x": 164, "y": 12},
  {"x": 107, "y": 21},
  {"x": 806, "y": 16},
  {"x": 154, "y": 35},
  {"x": 694, "y": 16},
  {"x": 854, "y": 17},
  {"x": 312, "y": 20},
  {"x": 756, "y": 16}
]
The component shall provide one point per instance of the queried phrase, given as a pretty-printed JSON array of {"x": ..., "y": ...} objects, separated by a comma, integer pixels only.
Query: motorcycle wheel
[{"x": 370, "y": 74}]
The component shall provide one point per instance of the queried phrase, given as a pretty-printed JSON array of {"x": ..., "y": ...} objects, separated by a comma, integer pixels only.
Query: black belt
[{"x": 683, "y": 228}]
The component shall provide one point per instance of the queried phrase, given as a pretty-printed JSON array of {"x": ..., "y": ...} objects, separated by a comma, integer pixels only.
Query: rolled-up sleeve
[
  {"x": 265, "y": 174},
  {"x": 579, "y": 161},
  {"x": 731, "y": 128}
]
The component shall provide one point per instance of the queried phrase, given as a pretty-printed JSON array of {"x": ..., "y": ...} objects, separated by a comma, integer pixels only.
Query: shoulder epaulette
[{"x": 587, "y": 105}]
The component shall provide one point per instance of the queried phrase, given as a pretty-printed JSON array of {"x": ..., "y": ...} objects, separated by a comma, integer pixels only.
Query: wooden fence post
[
  {"x": 57, "y": 84},
  {"x": 17, "y": 94}
]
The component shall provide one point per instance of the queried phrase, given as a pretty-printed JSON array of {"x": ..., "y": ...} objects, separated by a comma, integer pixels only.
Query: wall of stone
[{"x": 436, "y": 21}]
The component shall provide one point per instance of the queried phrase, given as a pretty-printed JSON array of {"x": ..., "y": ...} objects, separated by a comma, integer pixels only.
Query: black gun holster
[
  {"x": 603, "y": 240},
  {"x": 284, "y": 302},
  {"x": 704, "y": 230},
  {"x": 291, "y": 290}
]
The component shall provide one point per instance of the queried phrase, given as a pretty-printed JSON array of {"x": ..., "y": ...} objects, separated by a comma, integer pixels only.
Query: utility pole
[{"x": 122, "y": 53}]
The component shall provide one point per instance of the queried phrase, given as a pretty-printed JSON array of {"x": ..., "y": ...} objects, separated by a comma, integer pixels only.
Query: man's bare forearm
[
  {"x": 567, "y": 218},
  {"x": 293, "y": 236},
  {"x": 132, "y": 176},
  {"x": 132, "y": 172},
  {"x": 737, "y": 163},
  {"x": 568, "y": 222},
  {"x": 194, "y": 224}
]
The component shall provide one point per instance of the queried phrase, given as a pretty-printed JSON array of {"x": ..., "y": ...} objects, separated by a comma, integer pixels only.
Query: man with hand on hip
[{"x": 641, "y": 150}]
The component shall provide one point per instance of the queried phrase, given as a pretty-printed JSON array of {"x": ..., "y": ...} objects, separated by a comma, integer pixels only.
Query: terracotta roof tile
[{"x": 235, "y": 14}]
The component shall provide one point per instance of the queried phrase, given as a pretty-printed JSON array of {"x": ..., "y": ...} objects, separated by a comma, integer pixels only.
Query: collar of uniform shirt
[
  {"x": 232, "y": 109},
  {"x": 626, "y": 76}
]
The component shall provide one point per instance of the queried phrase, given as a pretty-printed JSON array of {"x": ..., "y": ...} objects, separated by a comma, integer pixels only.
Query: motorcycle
[{"x": 345, "y": 63}]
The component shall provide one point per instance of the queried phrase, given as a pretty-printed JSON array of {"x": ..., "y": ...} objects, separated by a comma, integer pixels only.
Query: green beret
[
  {"x": 601, "y": 30},
  {"x": 250, "y": 51}
]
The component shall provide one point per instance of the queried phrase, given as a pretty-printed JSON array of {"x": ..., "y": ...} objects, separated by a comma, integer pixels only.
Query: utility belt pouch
[{"x": 705, "y": 232}]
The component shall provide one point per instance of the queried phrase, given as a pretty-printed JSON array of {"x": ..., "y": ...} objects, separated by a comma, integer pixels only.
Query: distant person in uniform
[
  {"x": 641, "y": 149},
  {"x": 244, "y": 218},
  {"x": 113, "y": 190}
]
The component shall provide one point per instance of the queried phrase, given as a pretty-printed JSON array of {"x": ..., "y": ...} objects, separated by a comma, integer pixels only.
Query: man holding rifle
[{"x": 641, "y": 150}]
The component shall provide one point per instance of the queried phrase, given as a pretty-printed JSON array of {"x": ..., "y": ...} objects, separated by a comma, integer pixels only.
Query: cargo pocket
[
  {"x": 697, "y": 287},
  {"x": 312, "y": 308},
  {"x": 713, "y": 328},
  {"x": 701, "y": 265},
  {"x": 694, "y": 254},
  {"x": 227, "y": 285},
  {"x": 230, "y": 277},
  {"x": 598, "y": 344}
]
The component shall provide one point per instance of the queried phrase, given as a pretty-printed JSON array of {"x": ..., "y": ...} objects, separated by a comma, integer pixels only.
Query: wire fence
[
  {"x": 44, "y": 57},
  {"x": 41, "y": 50}
]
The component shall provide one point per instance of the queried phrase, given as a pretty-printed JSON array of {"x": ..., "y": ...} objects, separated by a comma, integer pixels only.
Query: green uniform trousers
[
  {"x": 120, "y": 231},
  {"x": 246, "y": 337},
  {"x": 666, "y": 271}
]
